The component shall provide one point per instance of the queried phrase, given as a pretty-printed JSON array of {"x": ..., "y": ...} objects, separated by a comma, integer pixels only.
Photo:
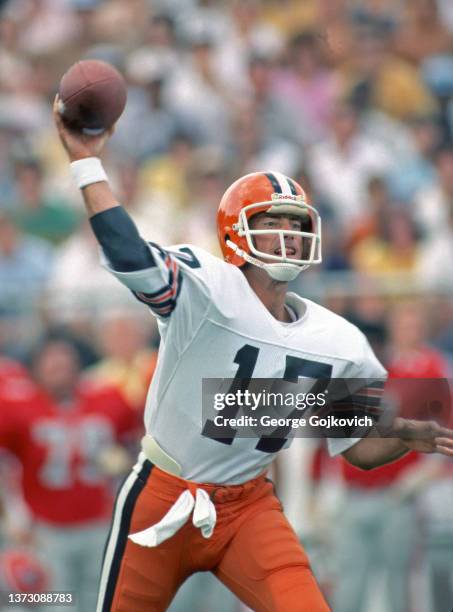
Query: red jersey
[
  {"x": 58, "y": 447},
  {"x": 425, "y": 363},
  {"x": 10, "y": 369}
]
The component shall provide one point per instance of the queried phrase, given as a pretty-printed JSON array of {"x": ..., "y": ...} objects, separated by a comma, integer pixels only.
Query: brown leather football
[{"x": 92, "y": 96}]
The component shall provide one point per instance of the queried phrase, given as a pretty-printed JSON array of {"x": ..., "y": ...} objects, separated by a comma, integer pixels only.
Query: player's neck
[{"x": 272, "y": 293}]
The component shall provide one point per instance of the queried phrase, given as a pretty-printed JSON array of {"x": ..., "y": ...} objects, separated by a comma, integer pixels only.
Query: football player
[
  {"x": 197, "y": 501},
  {"x": 63, "y": 430}
]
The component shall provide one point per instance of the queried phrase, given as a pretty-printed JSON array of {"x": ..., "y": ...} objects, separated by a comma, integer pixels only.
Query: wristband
[{"x": 87, "y": 171}]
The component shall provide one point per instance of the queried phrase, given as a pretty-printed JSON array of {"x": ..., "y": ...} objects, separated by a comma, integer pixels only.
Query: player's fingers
[
  {"x": 444, "y": 432},
  {"x": 65, "y": 132},
  {"x": 56, "y": 107},
  {"x": 430, "y": 429},
  {"x": 448, "y": 442},
  {"x": 57, "y": 114},
  {"x": 444, "y": 450}
]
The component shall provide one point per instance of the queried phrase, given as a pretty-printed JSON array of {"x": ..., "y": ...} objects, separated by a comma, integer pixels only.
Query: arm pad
[{"x": 119, "y": 238}]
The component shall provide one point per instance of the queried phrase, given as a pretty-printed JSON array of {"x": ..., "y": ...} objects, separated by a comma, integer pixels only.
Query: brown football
[{"x": 92, "y": 96}]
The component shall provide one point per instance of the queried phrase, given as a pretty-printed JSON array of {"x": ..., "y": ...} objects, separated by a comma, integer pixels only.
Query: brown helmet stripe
[
  {"x": 275, "y": 184},
  {"x": 292, "y": 186}
]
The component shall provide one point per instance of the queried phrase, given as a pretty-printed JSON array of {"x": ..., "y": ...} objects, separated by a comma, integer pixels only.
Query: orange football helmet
[{"x": 273, "y": 193}]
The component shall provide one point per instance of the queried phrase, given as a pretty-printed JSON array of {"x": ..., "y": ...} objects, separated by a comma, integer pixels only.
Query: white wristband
[{"x": 87, "y": 171}]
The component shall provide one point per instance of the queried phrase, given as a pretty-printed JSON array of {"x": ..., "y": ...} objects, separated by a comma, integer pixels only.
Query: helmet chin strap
[{"x": 283, "y": 272}]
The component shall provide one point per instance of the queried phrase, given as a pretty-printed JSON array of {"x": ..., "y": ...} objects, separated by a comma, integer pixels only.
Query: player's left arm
[
  {"x": 385, "y": 443},
  {"x": 404, "y": 435}
]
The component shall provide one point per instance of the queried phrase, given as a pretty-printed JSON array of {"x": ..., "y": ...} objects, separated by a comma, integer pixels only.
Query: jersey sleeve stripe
[
  {"x": 167, "y": 292},
  {"x": 367, "y": 400},
  {"x": 164, "y": 305},
  {"x": 356, "y": 406},
  {"x": 358, "y": 399},
  {"x": 377, "y": 384},
  {"x": 163, "y": 301},
  {"x": 155, "y": 295}
]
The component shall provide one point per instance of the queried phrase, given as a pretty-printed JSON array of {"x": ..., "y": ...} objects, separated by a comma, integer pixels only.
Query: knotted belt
[
  {"x": 204, "y": 518},
  {"x": 201, "y": 508}
]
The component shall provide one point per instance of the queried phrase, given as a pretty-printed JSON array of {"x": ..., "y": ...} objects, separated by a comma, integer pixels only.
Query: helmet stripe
[
  {"x": 273, "y": 179},
  {"x": 292, "y": 185},
  {"x": 286, "y": 188}
]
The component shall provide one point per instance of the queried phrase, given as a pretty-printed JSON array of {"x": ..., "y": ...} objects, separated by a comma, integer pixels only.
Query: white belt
[
  {"x": 159, "y": 457},
  {"x": 204, "y": 513}
]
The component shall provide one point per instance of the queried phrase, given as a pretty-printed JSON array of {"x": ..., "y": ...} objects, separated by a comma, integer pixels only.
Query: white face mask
[{"x": 285, "y": 268}]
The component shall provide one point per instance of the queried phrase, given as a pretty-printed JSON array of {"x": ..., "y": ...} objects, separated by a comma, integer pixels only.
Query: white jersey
[{"x": 213, "y": 325}]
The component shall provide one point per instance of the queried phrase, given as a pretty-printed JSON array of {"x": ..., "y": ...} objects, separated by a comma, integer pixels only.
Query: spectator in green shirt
[{"x": 50, "y": 218}]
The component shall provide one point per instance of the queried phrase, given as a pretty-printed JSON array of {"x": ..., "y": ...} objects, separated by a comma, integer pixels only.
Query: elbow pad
[{"x": 118, "y": 236}]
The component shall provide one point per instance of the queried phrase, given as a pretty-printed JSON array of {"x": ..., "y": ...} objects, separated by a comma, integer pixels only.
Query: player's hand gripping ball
[{"x": 92, "y": 95}]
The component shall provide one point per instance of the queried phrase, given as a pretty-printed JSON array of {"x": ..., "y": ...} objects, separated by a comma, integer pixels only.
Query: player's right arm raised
[
  {"x": 152, "y": 273},
  {"x": 115, "y": 230},
  {"x": 98, "y": 197}
]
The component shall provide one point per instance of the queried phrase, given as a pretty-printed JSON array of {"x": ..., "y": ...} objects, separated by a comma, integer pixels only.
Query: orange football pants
[{"x": 253, "y": 550}]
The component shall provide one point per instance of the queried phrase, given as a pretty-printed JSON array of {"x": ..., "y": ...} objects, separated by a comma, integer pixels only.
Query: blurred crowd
[{"x": 352, "y": 98}]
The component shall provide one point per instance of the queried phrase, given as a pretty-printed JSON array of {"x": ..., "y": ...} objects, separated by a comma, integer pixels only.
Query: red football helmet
[
  {"x": 21, "y": 571},
  {"x": 273, "y": 193}
]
